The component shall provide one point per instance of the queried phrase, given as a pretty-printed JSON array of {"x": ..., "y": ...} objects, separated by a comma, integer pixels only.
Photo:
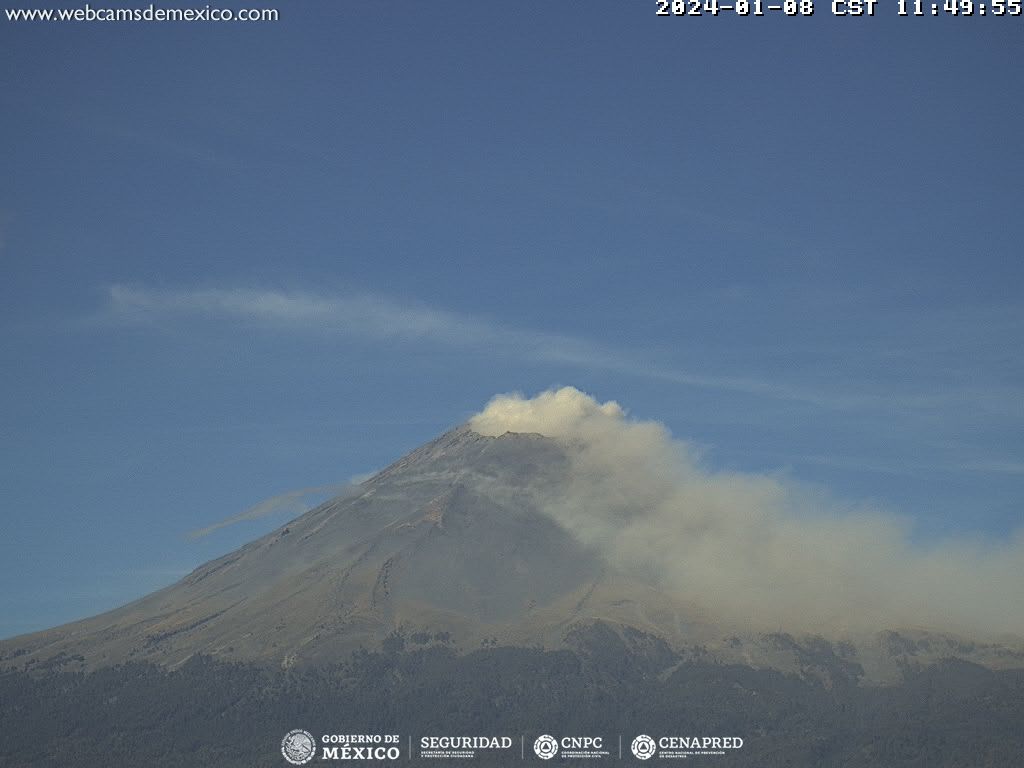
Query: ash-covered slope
[{"x": 445, "y": 543}]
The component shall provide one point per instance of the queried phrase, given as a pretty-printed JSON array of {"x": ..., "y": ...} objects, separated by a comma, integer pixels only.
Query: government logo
[
  {"x": 546, "y": 747},
  {"x": 298, "y": 747},
  {"x": 643, "y": 747}
]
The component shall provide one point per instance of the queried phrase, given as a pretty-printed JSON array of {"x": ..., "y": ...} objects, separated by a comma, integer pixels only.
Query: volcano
[
  {"x": 448, "y": 545},
  {"x": 468, "y": 542}
]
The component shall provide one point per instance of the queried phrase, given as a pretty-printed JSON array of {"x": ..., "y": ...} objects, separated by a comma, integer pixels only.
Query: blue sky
[{"x": 240, "y": 260}]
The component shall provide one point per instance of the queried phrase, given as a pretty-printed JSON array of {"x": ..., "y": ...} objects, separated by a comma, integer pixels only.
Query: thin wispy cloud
[
  {"x": 358, "y": 315},
  {"x": 294, "y": 503},
  {"x": 374, "y": 317}
]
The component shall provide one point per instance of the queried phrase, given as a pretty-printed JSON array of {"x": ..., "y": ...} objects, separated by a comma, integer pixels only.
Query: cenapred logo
[
  {"x": 298, "y": 746},
  {"x": 643, "y": 747},
  {"x": 546, "y": 747}
]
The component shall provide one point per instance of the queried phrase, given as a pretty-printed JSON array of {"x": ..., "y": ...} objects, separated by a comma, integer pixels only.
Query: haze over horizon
[{"x": 245, "y": 260}]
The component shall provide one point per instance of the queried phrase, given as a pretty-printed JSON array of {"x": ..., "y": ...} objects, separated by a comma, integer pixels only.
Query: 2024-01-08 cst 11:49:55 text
[{"x": 965, "y": 8}]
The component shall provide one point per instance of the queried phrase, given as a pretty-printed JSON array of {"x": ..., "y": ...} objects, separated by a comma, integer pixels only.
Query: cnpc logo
[{"x": 547, "y": 746}]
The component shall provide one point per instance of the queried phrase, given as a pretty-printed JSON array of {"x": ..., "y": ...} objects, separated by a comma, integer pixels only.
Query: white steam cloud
[{"x": 755, "y": 549}]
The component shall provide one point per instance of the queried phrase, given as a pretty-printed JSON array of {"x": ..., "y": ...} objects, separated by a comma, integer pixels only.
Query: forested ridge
[{"x": 215, "y": 713}]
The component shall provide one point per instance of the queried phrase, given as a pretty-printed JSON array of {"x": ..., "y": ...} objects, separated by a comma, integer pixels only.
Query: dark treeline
[{"x": 213, "y": 713}]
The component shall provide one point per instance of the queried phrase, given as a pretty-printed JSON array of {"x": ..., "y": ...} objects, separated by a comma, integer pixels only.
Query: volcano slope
[{"x": 447, "y": 541}]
